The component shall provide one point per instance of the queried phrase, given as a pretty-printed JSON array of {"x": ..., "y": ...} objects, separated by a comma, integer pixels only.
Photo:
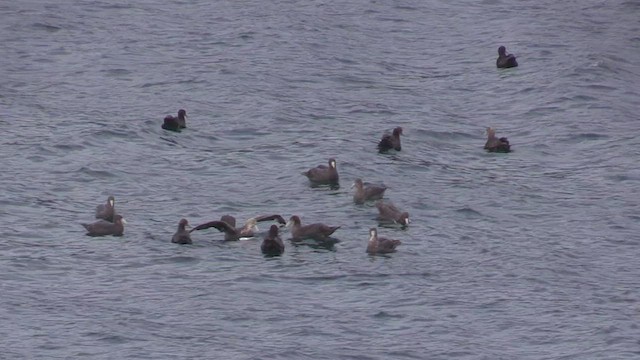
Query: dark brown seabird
[
  {"x": 317, "y": 231},
  {"x": 390, "y": 141},
  {"x": 104, "y": 227},
  {"x": 380, "y": 245},
  {"x": 387, "y": 212},
  {"x": 323, "y": 174},
  {"x": 505, "y": 60},
  {"x": 365, "y": 191},
  {"x": 173, "y": 123},
  {"x": 494, "y": 144},
  {"x": 182, "y": 236},
  {"x": 272, "y": 244},
  {"x": 106, "y": 211}
]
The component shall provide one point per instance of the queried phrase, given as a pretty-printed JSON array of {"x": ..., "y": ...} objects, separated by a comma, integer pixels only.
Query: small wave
[
  {"x": 599, "y": 87},
  {"x": 110, "y": 338},
  {"x": 328, "y": 245},
  {"x": 110, "y": 133},
  {"x": 96, "y": 173},
  {"x": 447, "y": 135},
  {"x": 467, "y": 211},
  {"x": 247, "y": 35},
  {"x": 116, "y": 6},
  {"x": 177, "y": 259},
  {"x": 172, "y": 142},
  {"x": 46, "y": 27},
  {"x": 624, "y": 177},
  {"x": 69, "y": 147},
  {"x": 116, "y": 72},
  {"x": 386, "y": 315},
  {"x": 585, "y": 98},
  {"x": 395, "y": 20},
  {"x": 247, "y": 133},
  {"x": 379, "y": 109},
  {"x": 544, "y": 110},
  {"x": 359, "y": 275},
  {"x": 353, "y": 80},
  {"x": 160, "y": 83},
  {"x": 576, "y": 138},
  {"x": 528, "y": 90},
  {"x": 632, "y": 4},
  {"x": 37, "y": 158}
]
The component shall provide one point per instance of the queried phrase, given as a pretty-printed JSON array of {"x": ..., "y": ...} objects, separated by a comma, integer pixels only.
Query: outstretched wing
[
  {"x": 275, "y": 217},
  {"x": 220, "y": 225}
]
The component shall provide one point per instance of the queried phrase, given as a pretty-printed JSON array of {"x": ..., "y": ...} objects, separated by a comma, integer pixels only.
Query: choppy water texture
[{"x": 529, "y": 255}]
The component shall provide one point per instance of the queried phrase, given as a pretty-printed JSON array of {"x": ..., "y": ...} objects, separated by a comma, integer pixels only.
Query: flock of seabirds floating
[{"x": 111, "y": 223}]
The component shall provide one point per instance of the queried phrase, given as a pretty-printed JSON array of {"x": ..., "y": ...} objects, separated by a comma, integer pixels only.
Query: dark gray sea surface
[{"x": 527, "y": 255}]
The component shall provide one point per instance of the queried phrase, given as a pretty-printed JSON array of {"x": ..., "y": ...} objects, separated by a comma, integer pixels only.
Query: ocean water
[{"x": 527, "y": 255}]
